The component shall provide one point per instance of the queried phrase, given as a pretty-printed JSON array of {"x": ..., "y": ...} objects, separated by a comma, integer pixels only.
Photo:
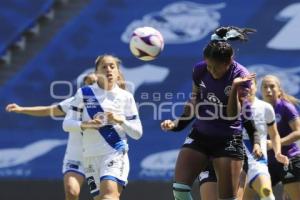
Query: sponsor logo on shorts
[
  {"x": 89, "y": 169},
  {"x": 188, "y": 140}
]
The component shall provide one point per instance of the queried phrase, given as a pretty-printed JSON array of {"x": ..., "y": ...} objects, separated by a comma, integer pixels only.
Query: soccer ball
[{"x": 146, "y": 43}]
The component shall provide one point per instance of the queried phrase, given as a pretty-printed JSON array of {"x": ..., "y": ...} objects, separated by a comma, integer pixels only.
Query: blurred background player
[
  {"x": 105, "y": 113},
  {"x": 288, "y": 125},
  {"x": 72, "y": 163},
  {"x": 216, "y": 83}
]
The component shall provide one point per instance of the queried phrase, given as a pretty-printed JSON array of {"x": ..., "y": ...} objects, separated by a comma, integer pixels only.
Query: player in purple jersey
[
  {"x": 258, "y": 178},
  {"x": 288, "y": 124},
  {"x": 73, "y": 172},
  {"x": 218, "y": 84}
]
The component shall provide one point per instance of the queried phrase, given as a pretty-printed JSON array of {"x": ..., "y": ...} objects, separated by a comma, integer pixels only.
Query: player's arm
[
  {"x": 252, "y": 132},
  {"x": 274, "y": 135},
  {"x": 275, "y": 138},
  {"x": 237, "y": 91},
  {"x": 249, "y": 125},
  {"x": 131, "y": 122},
  {"x": 276, "y": 144},
  {"x": 37, "y": 111},
  {"x": 186, "y": 117},
  {"x": 73, "y": 121}
]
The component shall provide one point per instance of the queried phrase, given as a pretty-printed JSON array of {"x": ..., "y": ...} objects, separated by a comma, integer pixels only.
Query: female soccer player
[
  {"x": 105, "y": 114},
  {"x": 72, "y": 163},
  {"x": 258, "y": 177},
  {"x": 288, "y": 125},
  {"x": 218, "y": 82}
]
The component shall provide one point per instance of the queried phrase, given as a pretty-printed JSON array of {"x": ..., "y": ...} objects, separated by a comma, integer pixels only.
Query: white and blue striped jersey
[
  {"x": 263, "y": 115},
  {"x": 73, "y": 159},
  {"x": 92, "y": 101}
]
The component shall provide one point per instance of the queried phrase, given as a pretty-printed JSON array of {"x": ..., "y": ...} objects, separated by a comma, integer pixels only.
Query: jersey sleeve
[
  {"x": 132, "y": 124},
  {"x": 269, "y": 114},
  {"x": 291, "y": 112},
  {"x": 72, "y": 121},
  {"x": 65, "y": 104}
]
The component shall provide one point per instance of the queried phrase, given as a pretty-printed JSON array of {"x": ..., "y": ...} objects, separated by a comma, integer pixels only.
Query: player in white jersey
[
  {"x": 258, "y": 177},
  {"x": 108, "y": 114},
  {"x": 73, "y": 162}
]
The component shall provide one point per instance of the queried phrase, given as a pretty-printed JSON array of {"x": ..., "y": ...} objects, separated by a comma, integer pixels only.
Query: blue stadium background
[{"x": 33, "y": 148}]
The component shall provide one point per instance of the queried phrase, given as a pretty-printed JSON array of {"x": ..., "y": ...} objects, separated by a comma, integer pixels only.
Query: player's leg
[
  {"x": 110, "y": 190},
  {"x": 189, "y": 164},
  {"x": 72, "y": 185},
  {"x": 209, "y": 191},
  {"x": 208, "y": 184},
  {"x": 292, "y": 190},
  {"x": 192, "y": 159},
  {"x": 114, "y": 170},
  {"x": 249, "y": 193},
  {"x": 228, "y": 163},
  {"x": 91, "y": 170},
  {"x": 73, "y": 169},
  {"x": 228, "y": 172},
  {"x": 262, "y": 186},
  {"x": 73, "y": 175},
  {"x": 242, "y": 185}
]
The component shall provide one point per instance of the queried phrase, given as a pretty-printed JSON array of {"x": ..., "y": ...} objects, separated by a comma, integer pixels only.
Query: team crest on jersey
[
  {"x": 102, "y": 117},
  {"x": 278, "y": 118},
  {"x": 227, "y": 90},
  {"x": 213, "y": 98}
]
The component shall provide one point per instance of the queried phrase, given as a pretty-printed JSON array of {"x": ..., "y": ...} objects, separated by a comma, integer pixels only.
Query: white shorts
[
  {"x": 73, "y": 159},
  {"x": 113, "y": 167},
  {"x": 255, "y": 169}
]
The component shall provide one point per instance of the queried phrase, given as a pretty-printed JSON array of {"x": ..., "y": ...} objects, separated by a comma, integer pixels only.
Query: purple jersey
[
  {"x": 285, "y": 113},
  {"x": 211, "y": 118}
]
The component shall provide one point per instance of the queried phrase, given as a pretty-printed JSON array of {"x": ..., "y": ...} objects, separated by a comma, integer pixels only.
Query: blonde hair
[
  {"x": 283, "y": 94},
  {"x": 121, "y": 81}
]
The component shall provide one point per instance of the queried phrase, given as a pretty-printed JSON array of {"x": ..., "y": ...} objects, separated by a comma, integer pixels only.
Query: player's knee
[
  {"x": 109, "y": 197},
  {"x": 72, "y": 194},
  {"x": 182, "y": 191},
  {"x": 266, "y": 193}
]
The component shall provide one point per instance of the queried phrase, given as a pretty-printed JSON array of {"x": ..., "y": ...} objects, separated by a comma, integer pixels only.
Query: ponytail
[
  {"x": 232, "y": 33},
  {"x": 121, "y": 82},
  {"x": 218, "y": 49}
]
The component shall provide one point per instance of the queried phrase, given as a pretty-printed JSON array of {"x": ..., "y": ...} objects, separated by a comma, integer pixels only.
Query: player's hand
[
  {"x": 282, "y": 159},
  {"x": 113, "y": 118},
  {"x": 269, "y": 144},
  {"x": 91, "y": 124},
  {"x": 167, "y": 125},
  {"x": 13, "y": 107},
  {"x": 257, "y": 152},
  {"x": 240, "y": 80}
]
